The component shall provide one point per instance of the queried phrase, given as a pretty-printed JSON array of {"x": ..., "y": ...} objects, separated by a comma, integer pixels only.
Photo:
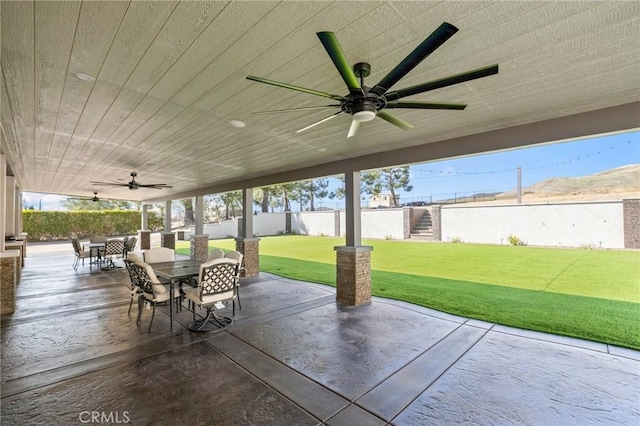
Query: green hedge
[{"x": 55, "y": 225}]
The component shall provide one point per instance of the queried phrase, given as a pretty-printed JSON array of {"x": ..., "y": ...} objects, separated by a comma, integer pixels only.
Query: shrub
[
  {"x": 514, "y": 240},
  {"x": 57, "y": 225},
  {"x": 455, "y": 240}
]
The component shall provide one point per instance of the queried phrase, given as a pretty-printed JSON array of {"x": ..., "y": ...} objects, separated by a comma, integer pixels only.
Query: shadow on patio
[{"x": 72, "y": 353}]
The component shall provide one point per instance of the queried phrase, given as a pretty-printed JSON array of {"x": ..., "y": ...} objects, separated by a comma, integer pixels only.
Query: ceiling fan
[
  {"x": 133, "y": 185},
  {"x": 95, "y": 198},
  {"x": 365, "y": 103}
]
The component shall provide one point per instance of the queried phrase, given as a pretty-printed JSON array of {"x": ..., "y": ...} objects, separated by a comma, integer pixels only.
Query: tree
[
  {"x": 312, "y": 189},
  {"x": 75, "y": 204},
  {"x": 189, "y": 217},
  {"x": 390, "y": 179},
  {"x": 232, "y": 203},
  {"x": 268, "y": 196},
  {"x": 287, "y": 189}
]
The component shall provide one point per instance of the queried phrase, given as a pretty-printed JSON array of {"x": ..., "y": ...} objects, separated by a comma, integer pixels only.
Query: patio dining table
[
  {"x": 176, "y": 271},
  {"x": 95, "y": 248}
]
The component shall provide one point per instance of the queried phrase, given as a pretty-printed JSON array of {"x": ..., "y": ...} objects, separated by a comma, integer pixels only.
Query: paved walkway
[{"x": 292, "y": 357}]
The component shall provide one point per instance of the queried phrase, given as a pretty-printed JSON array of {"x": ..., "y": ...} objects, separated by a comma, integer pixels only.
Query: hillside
[{"x": 615, "y": 184}]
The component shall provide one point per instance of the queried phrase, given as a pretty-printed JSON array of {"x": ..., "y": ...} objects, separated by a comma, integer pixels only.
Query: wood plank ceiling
[{"x": 170, "y": 76}]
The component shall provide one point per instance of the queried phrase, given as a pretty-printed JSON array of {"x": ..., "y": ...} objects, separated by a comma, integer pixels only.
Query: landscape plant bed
[{"x": 589, "y": 294}]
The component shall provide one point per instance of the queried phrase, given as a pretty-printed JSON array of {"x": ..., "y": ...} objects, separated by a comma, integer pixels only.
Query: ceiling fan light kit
[{"x": 366, "y": 103}]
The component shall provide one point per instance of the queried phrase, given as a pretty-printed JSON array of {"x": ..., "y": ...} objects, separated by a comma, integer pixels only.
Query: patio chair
[
  {"x": 239, "y": 257},
  {"x": 151, "y": 290},
  {"x": 159, "y": 254},
  {"x": 216, "y": 254},
  {"x": 216, "y": 284},
  {"x": 136, "y": 291},
  {"x": 80, "y": 252},
  {"x": 130, "y": 245},
  {"x": 113, "y": 249}
]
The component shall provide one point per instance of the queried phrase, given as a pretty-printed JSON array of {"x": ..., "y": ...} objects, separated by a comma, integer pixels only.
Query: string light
[{"x": 455, "y": 173}]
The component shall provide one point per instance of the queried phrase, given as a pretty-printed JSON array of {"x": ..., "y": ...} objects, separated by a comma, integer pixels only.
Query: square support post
[
  {"x": 9, "y": 270},
  {"x": 353, "y": 261},
  {"x": 199, "y": 247},
  {"x": 145, "y": 239},
  {"x": 168, "y": 240},
  {"x": 246, "y": 243}
]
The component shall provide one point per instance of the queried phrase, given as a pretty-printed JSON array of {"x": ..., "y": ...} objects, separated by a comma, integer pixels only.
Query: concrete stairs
[{"x": 423, "y": 229}]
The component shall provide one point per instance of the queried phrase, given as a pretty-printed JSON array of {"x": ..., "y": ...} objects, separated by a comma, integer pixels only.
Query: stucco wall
[
  {"x": 599, "y": 224},
  {"x": 313, "y": 223},
  {"x": 383, "y": 223}
]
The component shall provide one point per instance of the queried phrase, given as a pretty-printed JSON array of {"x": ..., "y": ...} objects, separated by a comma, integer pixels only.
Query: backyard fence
[{"x": 603, "y": 224}]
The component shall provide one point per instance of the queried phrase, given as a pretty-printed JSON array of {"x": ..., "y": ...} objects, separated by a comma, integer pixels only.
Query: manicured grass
[{"x": 591, "y": 294}]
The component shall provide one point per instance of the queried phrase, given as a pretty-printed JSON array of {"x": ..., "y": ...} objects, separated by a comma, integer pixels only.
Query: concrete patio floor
[{"x": 293, "y": 356}]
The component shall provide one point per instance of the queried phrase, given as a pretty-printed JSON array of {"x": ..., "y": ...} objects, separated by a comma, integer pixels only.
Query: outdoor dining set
[{"x": 157, "y": 277}]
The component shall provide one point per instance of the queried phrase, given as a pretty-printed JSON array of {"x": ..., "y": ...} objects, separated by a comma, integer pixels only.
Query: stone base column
[
  {"x": 145, "y": 240},
  {"x": 353, "y": 274},
  {"x": 250, "y": 248},
  {"x": 631, "y": 222},
  {"x": 168, "y": 239},
  {"x": 199, "y": 247},
  {"x": 9, "y": 270}
]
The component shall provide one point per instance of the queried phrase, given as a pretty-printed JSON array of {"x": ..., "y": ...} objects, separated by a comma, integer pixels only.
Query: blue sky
[{"x": 492, "y": 172}]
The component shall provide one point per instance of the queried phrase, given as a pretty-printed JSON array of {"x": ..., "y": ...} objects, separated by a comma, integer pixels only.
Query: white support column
[
  {"x": 247, "y": 213},
  {"x": 199, "y": 215},
  {"x": 144, "y": 217},
  {"x": 167, "y": 216},
  {"x": 353, "y": 261},
  {"x": 246, "y": 243},
  {"x": 3, "y": 192},
  {"x": 10, "y": 205},
  {"x": 352, "y": 208}
]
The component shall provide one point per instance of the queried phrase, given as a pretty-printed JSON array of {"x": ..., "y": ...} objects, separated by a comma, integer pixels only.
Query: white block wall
[
  {"x": 384, "y": 223},
  {"x": 313, "y": 223},
  {"x": 561, "y": 224},
  {"x": 269, "y": 224}
]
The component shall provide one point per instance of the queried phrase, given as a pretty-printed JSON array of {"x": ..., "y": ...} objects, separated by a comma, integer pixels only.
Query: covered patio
[
  {"x": 96, "y": 91},
  {"x": 292, "y": 357}
]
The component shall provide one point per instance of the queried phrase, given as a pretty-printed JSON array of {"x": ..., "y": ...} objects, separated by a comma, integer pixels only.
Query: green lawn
[{"x": 591, "y": 294}]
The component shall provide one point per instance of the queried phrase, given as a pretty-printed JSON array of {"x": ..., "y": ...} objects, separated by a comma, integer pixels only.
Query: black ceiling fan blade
[
  {"x": 332, "y": 46},
  {"x": 298, "y": 88},
  {"x": 428, "y": 46},
  {"x": 274, "y": 111},
  {"x": 109, "y": 183},
  {"x": 386, "y": 116},
  {"x": 443, "y": 82},
  {"x": 320, "y": 122},
  {"x": 426, "y": 105},
  {"x": 154, "y": 185}
]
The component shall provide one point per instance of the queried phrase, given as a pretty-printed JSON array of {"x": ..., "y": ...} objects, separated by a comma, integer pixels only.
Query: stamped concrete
[{"x": 292, "y": 357}]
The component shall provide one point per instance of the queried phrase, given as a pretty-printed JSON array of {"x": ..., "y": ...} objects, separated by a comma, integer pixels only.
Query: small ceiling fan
[
  {"x": 133, "y": 185},
  {"x": 95, "y": 198},
  {"x": 366, "y": 103}
]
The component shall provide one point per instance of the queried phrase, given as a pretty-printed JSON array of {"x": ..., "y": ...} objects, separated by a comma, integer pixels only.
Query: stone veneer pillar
[
  {"x": 250, "y": 248},
  {"x": 145, "y": 240},
  {"x": 200, "y": 247},
  {"x": 436, "y": 222},
  {"x": 631, "y": 223},
  {"x": 9, "y": 273},
  {"x": 353, "y": 274},
  {"x": 168, "y": 239}
]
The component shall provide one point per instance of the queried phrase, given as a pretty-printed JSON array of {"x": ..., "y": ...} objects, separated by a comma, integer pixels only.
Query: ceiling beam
[{"x": 620, "y": 118}]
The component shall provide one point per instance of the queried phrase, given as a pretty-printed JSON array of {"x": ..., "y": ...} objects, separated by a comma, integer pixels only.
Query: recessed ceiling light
[
  {"x": 237, "y": 124},
  {"x": 84, "y": 77}
]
